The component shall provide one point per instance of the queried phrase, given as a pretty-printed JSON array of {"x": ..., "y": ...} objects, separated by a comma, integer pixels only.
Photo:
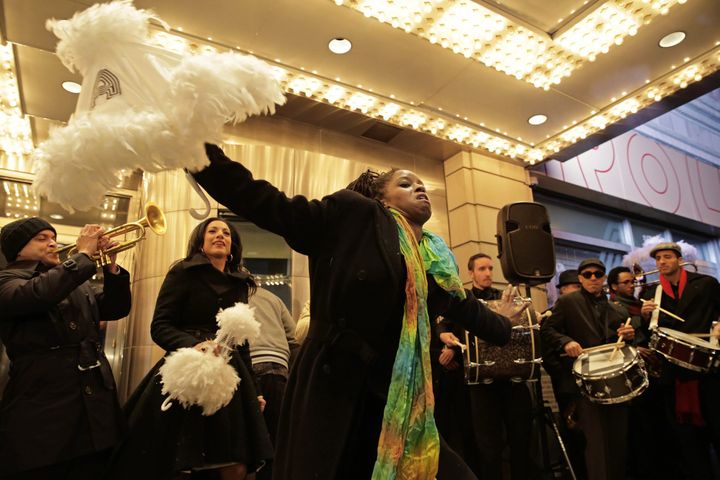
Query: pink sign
[{"x": 644, "y": 171}]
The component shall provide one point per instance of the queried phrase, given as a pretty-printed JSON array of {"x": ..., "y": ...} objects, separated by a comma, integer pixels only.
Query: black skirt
[{"x": 161, "y": 444}]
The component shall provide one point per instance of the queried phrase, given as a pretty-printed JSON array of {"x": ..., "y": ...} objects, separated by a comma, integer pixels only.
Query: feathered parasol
[{"x": 141, "y": 106}]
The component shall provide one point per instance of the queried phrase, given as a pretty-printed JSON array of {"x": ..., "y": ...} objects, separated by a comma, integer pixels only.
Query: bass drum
[{"x": 518, "y": 361}]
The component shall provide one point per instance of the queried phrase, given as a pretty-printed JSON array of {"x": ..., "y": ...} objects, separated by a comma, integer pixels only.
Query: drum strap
[{"x": 656, "y": 313}]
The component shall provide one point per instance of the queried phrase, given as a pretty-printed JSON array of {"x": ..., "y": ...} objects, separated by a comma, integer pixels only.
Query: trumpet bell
[{"x": 154, "y": 219}]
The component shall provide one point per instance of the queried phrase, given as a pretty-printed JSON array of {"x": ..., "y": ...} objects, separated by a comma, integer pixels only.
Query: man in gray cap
[
  {"x": 59, "y": 416},
  {"x": 580, "y": 320},
  {"x": 691, "y": 399}
]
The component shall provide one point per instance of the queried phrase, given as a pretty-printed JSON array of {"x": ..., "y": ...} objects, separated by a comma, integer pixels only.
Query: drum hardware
[
  {"x": 685, "y": 350},
  {"x": 517, "y": 361}
]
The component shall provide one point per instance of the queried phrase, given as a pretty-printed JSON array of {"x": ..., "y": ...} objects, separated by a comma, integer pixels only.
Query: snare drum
[
  {"x": 685, "y": 350},
  {"x": 609, "y": 381},
  {"x": 519, "y": 360}
]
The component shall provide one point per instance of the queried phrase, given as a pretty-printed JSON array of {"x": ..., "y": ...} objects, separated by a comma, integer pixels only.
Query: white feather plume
[
  {"x": 198, "y": 378},
  {"x": 237, "y": 325},
  {"x": 88, "y": 34},
  {"x": 641, "y": 255},
  {"x": 162, "y": 111}
]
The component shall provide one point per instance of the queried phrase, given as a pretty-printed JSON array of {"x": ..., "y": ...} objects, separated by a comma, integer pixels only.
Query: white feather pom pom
[
  {"x": 641, "y": 256},
  {"x": 211, "y": 89},
  {"x": 198, "y": 378},
  {"x": 237, "y": 325},
  {"x": 156, "y": 110},
  {"x": 89, "y": 34},
  {"x": 79, "y": 153}
]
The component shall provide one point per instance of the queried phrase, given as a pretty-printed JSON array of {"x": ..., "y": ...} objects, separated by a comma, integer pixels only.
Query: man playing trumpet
[
  {"x": 691, "y": 399},
  {"x": 59, "y": 416}
]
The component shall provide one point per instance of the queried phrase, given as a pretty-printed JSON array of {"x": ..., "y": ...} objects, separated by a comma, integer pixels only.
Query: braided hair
[{"x": 372, "y": 184}]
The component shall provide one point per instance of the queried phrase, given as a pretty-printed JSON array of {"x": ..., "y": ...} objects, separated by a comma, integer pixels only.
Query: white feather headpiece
[{"x": 141, "y": 107}]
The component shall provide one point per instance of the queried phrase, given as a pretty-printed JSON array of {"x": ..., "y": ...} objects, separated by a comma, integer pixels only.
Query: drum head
[
  {"x": 685, "y": 338},
  {"x": 598, "y": 363}
]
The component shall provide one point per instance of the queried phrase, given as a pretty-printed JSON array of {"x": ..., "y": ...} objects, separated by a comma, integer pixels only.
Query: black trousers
[
  {"x": 653, "y": 448},
  {"x": 87, "y": 467},
  {"x": 502, "y": 410},
  {"x": 605, "y": 428},
  {"x": 272, "y": 379}
]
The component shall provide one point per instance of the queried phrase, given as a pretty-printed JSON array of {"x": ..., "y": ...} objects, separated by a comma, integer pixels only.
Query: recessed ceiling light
[
  {"x": 56, "y": 216},
  {"x": 671, "y": 39},
  {"x": 340, "y": 45},
  {"x": 72, "y": 87},
  {"x": 538, "y": 119}
]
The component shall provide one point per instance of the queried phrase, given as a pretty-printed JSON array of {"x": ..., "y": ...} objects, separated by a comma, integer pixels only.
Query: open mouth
[{"x": 422, "y": 196}]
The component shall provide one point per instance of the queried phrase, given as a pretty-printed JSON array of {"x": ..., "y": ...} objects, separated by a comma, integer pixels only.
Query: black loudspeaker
[{"x": 525, "y": 243}]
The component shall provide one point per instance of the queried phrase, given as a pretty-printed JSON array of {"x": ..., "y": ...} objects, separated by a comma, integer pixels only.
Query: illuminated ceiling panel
[{"x": 516, "y": 49}]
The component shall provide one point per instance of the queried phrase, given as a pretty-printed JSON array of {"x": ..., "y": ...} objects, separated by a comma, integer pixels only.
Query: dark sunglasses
[{"x": 596, "y": 274}]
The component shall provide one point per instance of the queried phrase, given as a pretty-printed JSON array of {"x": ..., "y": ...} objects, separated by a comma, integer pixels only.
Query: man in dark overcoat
[
  {"x": 580, "y": 320},
  {"x": 59, "y": 415},
  {"x": 691, "y": 399}
]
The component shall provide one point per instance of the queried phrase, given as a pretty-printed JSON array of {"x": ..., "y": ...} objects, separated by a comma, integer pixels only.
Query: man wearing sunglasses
[{"x": 581, "y": 320}]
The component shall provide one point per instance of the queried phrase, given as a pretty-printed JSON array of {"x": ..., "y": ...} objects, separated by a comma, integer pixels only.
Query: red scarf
[
  {"x": 667, "y": 288},
  {"x": 687, "y": 402}
]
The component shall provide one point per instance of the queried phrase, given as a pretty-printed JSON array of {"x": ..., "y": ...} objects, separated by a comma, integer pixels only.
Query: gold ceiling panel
[{"x": 479, "y": 33}]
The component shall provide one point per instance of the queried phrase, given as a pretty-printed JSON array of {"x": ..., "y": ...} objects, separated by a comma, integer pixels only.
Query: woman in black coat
[
  {"x": 362, "y": 289},
  {"x": 230, "y": 442}
]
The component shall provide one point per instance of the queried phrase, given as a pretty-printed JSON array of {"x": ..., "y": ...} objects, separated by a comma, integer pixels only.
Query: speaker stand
[{"x": 543, "y": 417}]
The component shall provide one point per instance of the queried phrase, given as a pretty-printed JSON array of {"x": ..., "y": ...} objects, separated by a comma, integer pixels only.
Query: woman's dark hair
[
  {"x": 234, "y": 263},
  {"x": 371, "y": 183}
]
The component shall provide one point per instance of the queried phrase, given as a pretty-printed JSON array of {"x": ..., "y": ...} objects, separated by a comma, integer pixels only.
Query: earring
[{"x": 230, "y": 259}]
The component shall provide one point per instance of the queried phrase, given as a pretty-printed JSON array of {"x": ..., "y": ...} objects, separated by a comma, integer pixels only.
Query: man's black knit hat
[{"x": 15, "y": 235}]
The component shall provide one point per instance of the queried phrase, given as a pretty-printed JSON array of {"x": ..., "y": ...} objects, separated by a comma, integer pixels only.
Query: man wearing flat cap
[
  {"x": 580, "y": 320},
  {"x": 59, "y": 415},
  {"x": 691, "y": 399}
]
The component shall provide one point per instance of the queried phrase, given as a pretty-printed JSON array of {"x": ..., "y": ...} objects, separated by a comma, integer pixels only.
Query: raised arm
[
  {"x": 21, "y": 296},
  {"x": 114, "y": 301},
  {"x": 305, "y": 224}
]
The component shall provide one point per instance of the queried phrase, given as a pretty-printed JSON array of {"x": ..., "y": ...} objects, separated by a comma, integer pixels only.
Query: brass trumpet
[
  {"x": 640, "y": 274},
  {"x": 154, "y": 219}
]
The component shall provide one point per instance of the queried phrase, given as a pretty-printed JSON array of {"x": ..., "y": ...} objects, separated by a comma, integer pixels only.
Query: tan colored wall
[{"x": 477, "y": 187}]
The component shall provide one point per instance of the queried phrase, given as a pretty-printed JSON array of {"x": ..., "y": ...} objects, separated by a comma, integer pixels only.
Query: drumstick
[
  {"x": 458, "y": 344},
  {"x": 620, "y": 340},
  {"x": 665, "y": 311},
  {"x": 704, "y": 335}
]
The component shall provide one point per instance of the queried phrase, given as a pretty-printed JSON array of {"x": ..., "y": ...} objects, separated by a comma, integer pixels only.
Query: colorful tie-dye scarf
[{"x": 409, "y": 445}]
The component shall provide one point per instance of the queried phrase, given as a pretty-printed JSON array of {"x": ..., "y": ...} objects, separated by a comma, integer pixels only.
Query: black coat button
[
  {"x": 72, "y": 325},
  {"x": 326, "y": 369},
  {"x": 361, "y": 275},
  {"x": 88, "y": 390}
]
